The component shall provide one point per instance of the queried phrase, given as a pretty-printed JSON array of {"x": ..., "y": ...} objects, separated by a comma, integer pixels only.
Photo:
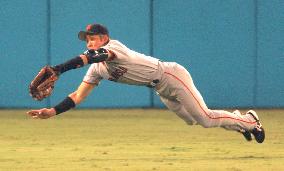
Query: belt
[{"x": 153, "y": 83}]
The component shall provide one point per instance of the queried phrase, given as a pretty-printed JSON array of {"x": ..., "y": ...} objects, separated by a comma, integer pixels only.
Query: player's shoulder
[{"x": 115, "y": 43}]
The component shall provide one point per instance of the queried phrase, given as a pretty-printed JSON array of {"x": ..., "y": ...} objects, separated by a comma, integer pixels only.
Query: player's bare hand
[{"x": 42, "y": 113}]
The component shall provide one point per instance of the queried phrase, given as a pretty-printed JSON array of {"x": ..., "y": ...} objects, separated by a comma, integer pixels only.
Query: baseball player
[{"x": 112, "y": 60}]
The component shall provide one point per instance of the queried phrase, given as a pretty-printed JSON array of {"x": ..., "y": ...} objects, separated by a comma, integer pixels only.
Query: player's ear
[{"x": 105, "y": 38}]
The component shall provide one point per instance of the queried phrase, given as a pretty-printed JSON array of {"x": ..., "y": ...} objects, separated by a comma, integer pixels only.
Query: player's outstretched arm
[
  {"x": 42, "y": 85},
  {"x": 68, "y": 103}
]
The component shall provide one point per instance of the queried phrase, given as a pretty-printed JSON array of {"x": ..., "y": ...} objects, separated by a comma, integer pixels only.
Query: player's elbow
[{"x": 76, "y": 97}]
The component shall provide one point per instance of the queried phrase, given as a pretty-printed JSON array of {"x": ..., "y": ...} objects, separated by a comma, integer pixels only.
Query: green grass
[{"x": 133, "y": 140}]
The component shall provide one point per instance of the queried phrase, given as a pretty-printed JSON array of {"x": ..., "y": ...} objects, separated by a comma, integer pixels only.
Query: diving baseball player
[{"x": 112, "y": 60}]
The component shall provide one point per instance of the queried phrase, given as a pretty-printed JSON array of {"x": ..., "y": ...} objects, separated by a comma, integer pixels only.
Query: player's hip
[{"x": 173, "y": 77}]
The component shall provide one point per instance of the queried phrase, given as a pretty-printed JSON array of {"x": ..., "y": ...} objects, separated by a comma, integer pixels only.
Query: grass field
[{"x": 133, "y": 140}]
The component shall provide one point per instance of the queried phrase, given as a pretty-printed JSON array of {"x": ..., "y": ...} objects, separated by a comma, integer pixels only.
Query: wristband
[{"x": 65, "y": 105}]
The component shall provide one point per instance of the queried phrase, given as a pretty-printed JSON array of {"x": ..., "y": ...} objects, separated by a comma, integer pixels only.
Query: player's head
[{"x": 96, "y": 35}]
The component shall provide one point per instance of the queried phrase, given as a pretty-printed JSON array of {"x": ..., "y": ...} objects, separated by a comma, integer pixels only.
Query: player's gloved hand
[
  {"x": 42, "y": 85},
  {"x": 42, "y": 113}
]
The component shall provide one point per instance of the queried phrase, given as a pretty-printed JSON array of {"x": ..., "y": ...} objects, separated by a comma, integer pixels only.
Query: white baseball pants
[{"x": 178, "y": 92}]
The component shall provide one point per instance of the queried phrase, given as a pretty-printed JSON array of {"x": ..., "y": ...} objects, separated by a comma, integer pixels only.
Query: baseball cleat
[
  {"x": 245, "y": 133},
  {"x": 257, "y": 131}
]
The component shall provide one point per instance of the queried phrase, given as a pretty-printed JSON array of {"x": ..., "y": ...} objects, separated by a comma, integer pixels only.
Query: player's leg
[
  {"x": 245, "y": 124},
  {"x": 195, "y": 105},
  {"x": 249, "y": 122},
  {"x": 176, "y": 83},
  {"x": 188, "y": 95},
  {"x": 179, "y": 109}
]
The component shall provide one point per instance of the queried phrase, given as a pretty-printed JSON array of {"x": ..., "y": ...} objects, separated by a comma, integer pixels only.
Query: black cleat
[
  {"x": 258, "y": 131},
  {"x": 246, "y": 134},
  {"x": 259, "y": 134}
]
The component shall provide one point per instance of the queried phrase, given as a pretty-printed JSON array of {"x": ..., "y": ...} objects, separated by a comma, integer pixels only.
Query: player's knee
[
  {"x": 204, "y": 120},
  {"x": 204, "y": 124}
]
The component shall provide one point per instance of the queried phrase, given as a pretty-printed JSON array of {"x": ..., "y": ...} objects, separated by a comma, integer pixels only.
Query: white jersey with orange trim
[
  {"x": 175, "y": 87},
  {"x": 127, "y": 66}
]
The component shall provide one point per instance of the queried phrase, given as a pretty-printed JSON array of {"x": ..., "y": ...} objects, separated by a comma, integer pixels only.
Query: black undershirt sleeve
[
  {"x": 74, "y": 63},
  {"x": 93, "y": 56}
]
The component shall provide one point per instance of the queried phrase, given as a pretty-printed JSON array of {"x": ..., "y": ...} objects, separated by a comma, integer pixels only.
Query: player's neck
[{"x": 106, "y": 42}]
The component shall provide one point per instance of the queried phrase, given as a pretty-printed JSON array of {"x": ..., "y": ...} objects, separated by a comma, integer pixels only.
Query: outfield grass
[{"x": 133, "y": 140}]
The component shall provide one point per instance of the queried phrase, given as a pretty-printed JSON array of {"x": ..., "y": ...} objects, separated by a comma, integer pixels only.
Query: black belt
[{"x": 153, "y": 83}]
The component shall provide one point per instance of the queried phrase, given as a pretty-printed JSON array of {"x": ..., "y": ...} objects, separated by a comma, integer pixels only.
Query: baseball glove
[{"x": 42, "y": 85}]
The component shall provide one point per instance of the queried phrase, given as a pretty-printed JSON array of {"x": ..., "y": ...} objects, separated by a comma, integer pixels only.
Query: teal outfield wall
[{"x": 234, "y": 50}]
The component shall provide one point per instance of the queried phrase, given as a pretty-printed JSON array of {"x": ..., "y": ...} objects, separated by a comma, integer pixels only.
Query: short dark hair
[{"x": 93, "y": 29}]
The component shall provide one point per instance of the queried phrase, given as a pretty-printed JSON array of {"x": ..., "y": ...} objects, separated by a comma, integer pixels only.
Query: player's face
[{"x": 95, "y": 41}]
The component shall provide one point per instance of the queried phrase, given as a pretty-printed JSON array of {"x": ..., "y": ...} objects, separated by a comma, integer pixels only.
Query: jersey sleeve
[
  {"x": 92, "y": 76},
  {"x": 117, "y": 48}
]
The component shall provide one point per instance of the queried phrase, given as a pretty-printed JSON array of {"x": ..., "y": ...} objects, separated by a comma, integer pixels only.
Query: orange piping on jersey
[{"x": 200, "y": 104}]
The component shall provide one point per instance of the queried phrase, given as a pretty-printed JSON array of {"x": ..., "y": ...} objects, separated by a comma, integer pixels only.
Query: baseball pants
[{"x": 178, "y": 92}]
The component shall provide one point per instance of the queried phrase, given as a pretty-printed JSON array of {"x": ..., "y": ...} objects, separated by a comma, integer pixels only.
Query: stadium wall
[{"x": 234, "y": 50}]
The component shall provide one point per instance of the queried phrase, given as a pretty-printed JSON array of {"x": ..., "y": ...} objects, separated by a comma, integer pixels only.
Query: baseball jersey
[{"x": 126, "y": 66}]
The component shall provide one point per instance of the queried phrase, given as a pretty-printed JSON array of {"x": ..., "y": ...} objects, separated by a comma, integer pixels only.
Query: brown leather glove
[{"x": 42, "y": 85}]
